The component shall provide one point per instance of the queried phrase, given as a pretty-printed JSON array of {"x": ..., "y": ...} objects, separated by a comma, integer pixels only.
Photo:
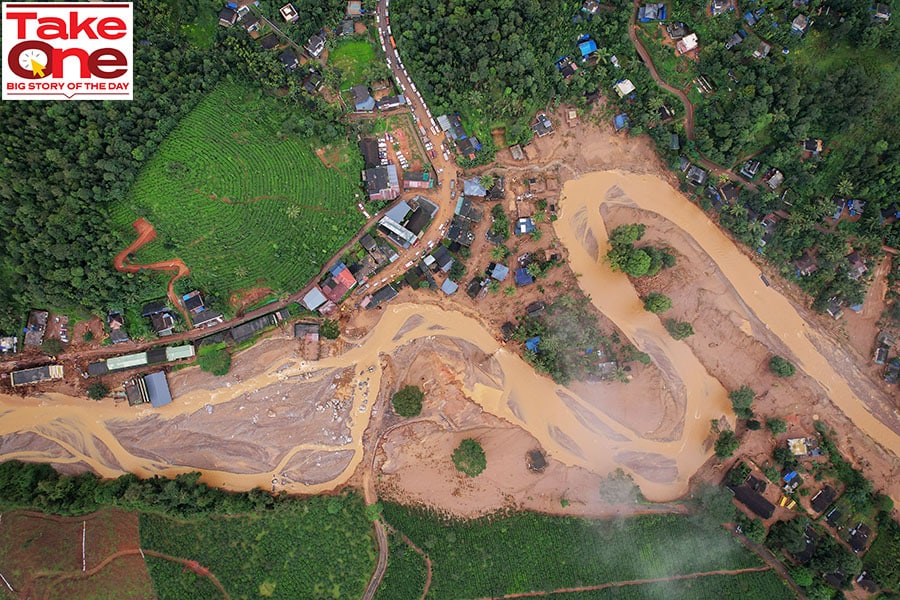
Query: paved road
[{"x": 446, "y": 169}]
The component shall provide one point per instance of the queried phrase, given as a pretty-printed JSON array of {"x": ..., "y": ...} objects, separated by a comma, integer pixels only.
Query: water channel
[{"x": 569, "y": 427}]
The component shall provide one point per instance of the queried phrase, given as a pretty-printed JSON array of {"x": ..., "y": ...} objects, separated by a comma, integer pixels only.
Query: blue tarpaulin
[
  {"x": 532, "y": 344},
  {"x": 587, "y": 48}
]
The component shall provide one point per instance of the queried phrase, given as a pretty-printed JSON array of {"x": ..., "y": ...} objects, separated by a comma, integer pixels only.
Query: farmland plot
[
  {"x": 320, "y": 547},
  {"x": 243, "y": 204},
  {"x": 526, "y": 552}
]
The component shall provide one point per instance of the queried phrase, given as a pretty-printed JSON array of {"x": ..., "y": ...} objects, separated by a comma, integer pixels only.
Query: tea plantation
[{"x": 241, "y": 202}]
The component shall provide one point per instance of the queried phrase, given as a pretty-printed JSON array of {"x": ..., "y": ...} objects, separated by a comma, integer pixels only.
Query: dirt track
[
  {"x": 617, "y": 584},
  {"x": 146, "y": 234}
]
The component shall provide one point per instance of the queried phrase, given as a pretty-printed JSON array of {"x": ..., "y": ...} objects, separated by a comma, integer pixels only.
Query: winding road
[{"x": 642, "y": 51}]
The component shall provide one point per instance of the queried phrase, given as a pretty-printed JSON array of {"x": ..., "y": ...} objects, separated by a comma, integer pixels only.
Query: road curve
[
  {"x": 381, "y": 565},
  {"x": 645, "y": 56},
  {"x": 714, "y": 168}
]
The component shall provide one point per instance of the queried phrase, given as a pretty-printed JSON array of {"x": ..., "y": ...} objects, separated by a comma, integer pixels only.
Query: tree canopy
[
  {"x": 408, "y": 401},
  {"x": 214, "y": 358},
  {"x": 741, "y": 399},
  {"x": 469, "y": 457},
  {"x": 781, "y": 367},
  {"x": 726, "y": 444},
  {"x": 657, "y": 302}
]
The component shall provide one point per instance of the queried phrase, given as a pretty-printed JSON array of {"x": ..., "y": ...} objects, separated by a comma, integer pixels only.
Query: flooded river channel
[{"x": 299, "y": 426}]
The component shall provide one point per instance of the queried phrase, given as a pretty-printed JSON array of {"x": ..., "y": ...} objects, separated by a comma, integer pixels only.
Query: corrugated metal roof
[
  {"x": 158, "y": 389},
  {"x": 126, "y": 362},
  {"x": 179, "y": 352}
]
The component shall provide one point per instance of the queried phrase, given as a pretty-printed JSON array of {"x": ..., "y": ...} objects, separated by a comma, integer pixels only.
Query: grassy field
[
  {"x": 241, "y": 203},
  {"x": 352, "y": 57},
  {"x": 321, "y": 549},
  {"x": 406, "y": 572},
  {"x": 528, "y": 552},
  {"x": 747, "y": 586},
  {"x": 43, "y": 554}
]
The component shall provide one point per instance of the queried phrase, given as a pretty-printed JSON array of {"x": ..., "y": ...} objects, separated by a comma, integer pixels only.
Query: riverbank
[{"x": 280, "y": 423}]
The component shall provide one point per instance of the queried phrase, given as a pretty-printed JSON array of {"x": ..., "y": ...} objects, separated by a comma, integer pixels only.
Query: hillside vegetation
[{"x": 241, "y": 200}]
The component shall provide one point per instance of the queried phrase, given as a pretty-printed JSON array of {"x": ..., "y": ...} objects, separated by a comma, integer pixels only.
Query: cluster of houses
[
  {"x": 402, "y": 225},
  {"x": 363, "y": 102},
  {"x": 467, "y": 145},
  {"x": 381, "y": 177},
  {"x": 291, "y": 56},
  {"x": 884, "y": 342},
  {"x": 587, "y": 49}
]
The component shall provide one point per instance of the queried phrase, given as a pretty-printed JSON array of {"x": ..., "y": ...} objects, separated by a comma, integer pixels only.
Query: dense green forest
[
  {"x": 495, "y": 61},
  {"x": 64, "y": 164}
]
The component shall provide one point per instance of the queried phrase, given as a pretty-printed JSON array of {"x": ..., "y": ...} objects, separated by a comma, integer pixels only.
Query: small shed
[
  {"x": 524, "y": 225},
  {"x": 623, "y": 87},
  {"x": 798, "y": 446},
  {"x": 179, "y": 352},
  {"x": 536, "y": 461},
  {"x": 499, "y": 272},
  {"x": 523, "y": 277},
  {"x": 823, "y": 499},
  {"x": 128, "y": 361},
  {"x": 449, "y": 287}
]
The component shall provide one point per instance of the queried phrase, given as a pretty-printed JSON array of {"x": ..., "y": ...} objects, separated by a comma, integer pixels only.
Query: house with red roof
[{"x": 339, "y": 281}]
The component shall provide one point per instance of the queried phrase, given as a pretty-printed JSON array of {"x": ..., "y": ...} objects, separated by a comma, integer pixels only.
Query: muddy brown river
[{"x": 61, "y": 429}]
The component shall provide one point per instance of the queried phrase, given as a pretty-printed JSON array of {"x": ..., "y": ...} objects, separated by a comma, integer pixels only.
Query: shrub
[
  {"x": 52, "y": 346},
  {"x": 457, "y": 271},
  {"x": 776, "y": 426},
  {"x": 97, "y": 391},
  {"x": 726, "y": 444},
  {"x": 88, "y": 337},
  {"x": 781, "y": 366},
  {"x": 469, "y": 457},
  {"x": 330, "y": 329},
  {"x": 752, "y": 528},
  {"x": 214, "y": 358},
  {"x": 408, "y": 401},
  {"x": 679, "y": 329},
  {"x": 657, "y": 303},
  {"x": 802, "y": 576},
  {"x": 754, "y": 425},
  {"x": 741, "y": 399}
]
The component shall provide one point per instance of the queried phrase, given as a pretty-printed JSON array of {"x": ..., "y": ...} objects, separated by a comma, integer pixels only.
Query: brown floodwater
[
  {"x": 582, "y": 230},
  {"x": 572, "y": 429}
]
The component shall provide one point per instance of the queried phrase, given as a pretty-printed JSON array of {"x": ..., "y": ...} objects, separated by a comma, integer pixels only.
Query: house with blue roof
[
  {"x": 449, "y": 287},
  {"x": 532, "y": 344},
  {"x": 399, "y": 211},
  {"x": 499, "y": 272},
  {"x": 524, "y": 225},
  {"x": 362, "y": 99},
  {"x": 587, "y": 47},
  {"x": 473, "y": 187},
  {"x": 523, "y": 277}
]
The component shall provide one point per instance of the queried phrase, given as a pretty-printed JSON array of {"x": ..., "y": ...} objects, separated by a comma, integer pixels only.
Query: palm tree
[{"x": 845, "y": 186}]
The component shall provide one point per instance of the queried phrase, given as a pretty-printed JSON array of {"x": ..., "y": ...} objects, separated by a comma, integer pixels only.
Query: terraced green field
[{"x": 241, "y": 203}]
